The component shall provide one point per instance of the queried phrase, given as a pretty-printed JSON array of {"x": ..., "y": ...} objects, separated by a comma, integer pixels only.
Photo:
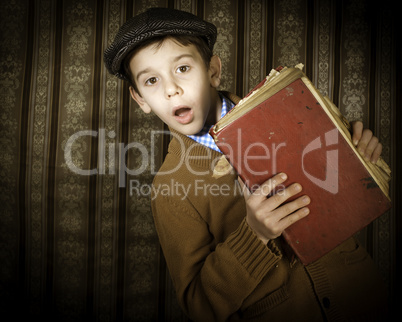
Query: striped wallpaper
[{"x": 77, "y": 240}]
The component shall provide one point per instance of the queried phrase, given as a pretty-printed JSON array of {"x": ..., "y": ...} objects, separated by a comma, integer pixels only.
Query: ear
[
  {"x": 140, "y": 101},
  {"x": 215, "y": 68}
]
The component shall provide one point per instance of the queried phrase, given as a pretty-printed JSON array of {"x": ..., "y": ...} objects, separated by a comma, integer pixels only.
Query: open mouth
[{"x": 183, "y": 115}]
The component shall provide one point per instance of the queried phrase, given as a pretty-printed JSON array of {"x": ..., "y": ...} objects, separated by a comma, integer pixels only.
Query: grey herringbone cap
[{"x": 152, "y": 23}]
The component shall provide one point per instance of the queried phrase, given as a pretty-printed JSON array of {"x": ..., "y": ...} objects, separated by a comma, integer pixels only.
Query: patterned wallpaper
[{"x": 77, "y": 240}]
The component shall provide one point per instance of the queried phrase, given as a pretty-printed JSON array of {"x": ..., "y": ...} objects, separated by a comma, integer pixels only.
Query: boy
[{"x": 222, "y": 247}]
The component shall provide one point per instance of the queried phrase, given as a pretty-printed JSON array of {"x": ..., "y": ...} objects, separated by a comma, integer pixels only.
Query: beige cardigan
[{"x": 221, "y": 270}]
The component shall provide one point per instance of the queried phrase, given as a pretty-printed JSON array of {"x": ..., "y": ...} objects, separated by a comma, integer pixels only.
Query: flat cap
[{"x": 152, "y": 23}]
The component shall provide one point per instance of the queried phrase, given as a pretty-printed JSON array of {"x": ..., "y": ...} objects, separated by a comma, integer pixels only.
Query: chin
[{"x": 188, "y": 130}]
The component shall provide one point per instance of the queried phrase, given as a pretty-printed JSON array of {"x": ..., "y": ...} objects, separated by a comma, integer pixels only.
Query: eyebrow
[
  {"x": 142, "y": 72},
  {"x": 176, "y": 59}
]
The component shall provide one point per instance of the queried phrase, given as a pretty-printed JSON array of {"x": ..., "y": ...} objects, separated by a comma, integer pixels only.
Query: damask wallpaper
[{"x": 77, "y": 240}]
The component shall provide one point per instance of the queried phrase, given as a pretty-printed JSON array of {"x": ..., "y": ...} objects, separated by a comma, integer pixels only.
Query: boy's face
[{"x": 174, "y": 83}]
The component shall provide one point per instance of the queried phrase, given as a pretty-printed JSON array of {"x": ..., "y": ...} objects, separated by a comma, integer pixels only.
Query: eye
[
  {"x": 183, "y": 69},
  {"x": 151, "y": 81}
]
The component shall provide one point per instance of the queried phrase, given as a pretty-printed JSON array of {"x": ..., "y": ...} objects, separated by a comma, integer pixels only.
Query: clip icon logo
[{"x": 331, "y": 175}]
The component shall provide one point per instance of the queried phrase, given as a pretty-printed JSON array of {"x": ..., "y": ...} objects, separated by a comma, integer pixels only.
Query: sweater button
[{"x": 326, "y": 302}]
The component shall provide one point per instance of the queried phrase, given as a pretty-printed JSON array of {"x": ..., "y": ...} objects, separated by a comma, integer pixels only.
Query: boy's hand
[
  {"x": 267, "y": 215},
  {"x": 368, "y": 145}
]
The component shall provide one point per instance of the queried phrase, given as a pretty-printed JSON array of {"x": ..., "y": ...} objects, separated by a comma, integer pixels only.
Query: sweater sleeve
[{"x": 211, "y": 280}]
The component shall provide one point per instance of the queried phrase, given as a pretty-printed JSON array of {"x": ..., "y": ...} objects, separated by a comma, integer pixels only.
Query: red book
[{"x": 286, "y": 125}]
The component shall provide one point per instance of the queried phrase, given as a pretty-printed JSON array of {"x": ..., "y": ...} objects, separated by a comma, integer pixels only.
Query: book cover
[{"x": 286, "y": 125}]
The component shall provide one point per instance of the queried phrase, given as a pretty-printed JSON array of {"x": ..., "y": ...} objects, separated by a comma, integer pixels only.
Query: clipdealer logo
[
  {"x": 147, "y": 158},
  {"x": 330, "y": 183}
]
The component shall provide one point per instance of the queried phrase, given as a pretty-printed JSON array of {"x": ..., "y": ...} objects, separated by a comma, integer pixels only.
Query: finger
[
  {"x": 357, "y": 129},
  {"x": 268, "y": 186},
  {"x": 292, "y": 206},
  {"x": 364, "y": 141},
  {"x": 279, "y": 198},
  {"x": 292, "y": 218},
  {"x": 371, "y": 146},
  {"x": 376, "y": 153},
  {"x": 286, "y": 215}
]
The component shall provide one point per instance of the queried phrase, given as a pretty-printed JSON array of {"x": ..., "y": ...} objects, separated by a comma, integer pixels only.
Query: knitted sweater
[{"x": 222, "y": 271}]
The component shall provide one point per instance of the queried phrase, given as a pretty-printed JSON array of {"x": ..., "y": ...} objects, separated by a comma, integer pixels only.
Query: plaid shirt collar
[{"x": 203, "y": 136}]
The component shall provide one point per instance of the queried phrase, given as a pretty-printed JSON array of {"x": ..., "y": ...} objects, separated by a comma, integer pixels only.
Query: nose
[{"x": 172, "y": 89}]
